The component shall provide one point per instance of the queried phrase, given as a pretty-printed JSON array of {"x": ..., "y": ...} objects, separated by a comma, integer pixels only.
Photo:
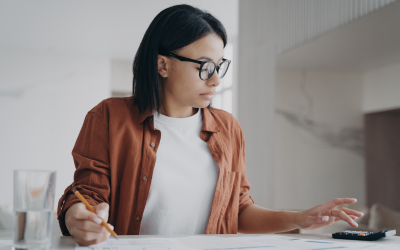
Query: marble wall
[
  {"x": 319, "y": 152},
  {"x": 382, "y": 88}
]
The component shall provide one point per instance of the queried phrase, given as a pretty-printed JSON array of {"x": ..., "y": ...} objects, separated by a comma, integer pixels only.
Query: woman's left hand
[{"x": 327, "y": 213}]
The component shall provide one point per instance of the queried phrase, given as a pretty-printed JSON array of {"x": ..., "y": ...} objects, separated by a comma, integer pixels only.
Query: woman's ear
[{"x": 162, "y": 63}]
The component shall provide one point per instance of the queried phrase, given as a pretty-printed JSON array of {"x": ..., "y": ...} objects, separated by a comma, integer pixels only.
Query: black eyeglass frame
[{"x": 217, "y": 67}]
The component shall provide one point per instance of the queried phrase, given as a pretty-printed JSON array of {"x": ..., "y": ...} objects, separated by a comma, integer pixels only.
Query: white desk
[{"x": 67, "y": 242}]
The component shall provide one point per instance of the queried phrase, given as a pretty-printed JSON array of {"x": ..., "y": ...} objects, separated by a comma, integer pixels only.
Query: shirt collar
[
  {"x": 209, "y": 123},
  {"x": 143, "y": 116}
]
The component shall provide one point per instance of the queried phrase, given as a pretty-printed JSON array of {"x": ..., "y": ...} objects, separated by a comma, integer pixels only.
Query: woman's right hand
[{"x": 86, "y": 226}]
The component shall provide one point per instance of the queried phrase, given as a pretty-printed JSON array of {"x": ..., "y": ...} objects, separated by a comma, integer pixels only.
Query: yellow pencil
[{"x": 91, "y": 209}]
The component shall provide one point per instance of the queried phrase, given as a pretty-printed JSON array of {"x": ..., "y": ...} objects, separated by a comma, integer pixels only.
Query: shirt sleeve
[
  {"x": 245, "y": 198},
  {"x": 92, "y": 174}
]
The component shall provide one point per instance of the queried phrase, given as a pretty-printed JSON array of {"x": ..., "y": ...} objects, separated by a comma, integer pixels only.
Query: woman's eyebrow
[{"x": 207, "y": 58}]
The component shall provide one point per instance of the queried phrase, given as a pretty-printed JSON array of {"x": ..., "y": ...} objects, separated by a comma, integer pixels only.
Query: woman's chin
[{"x": 204, "y": 105}]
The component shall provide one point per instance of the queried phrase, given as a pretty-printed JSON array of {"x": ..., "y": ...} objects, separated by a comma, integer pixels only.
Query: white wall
[
  {"x": 43, "y": 100},
  {"x": 256, "y": 82},
  {"x": 121, "y": 76},
  {"x": 318, "y": 138},
  {"x": 382, "y": 89}
]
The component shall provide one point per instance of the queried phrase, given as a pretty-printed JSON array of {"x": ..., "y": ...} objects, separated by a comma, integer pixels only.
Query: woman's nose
[{"x": 214, "y": 79}]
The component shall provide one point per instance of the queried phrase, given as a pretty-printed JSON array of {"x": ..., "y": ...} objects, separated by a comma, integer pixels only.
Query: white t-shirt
[{"x": 184, "y": 179}]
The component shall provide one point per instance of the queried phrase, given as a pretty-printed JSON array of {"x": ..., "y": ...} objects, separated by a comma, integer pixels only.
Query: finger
[
  {"x": 351, "y": 216},
  {"x": 86, "y": 225},
  {"x": 102, "y": 211},
  {"x": 82, "y": 213},
  {"x": 86, "y": 235},
  {"x": 110, "y": 226},
  {"x": 82, "y": 242},
  {"x": 351, "y": 212},
  {"x": 104, "y": 237},
  {"x": 338, "y": 202},
  {"x": 317, "y": 219},
  {"x": 342, "y": 215}
]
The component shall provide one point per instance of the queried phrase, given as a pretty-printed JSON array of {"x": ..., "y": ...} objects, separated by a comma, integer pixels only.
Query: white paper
[
  {"x": 137, "y": 244},
  {"x": 209, "y": 242},
  {"x": 215, "y": 242},
  {"x": 270, "y": 242}
]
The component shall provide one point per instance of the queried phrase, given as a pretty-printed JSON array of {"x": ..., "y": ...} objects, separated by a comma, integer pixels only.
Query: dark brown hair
[{"x": 172, "y": 29}]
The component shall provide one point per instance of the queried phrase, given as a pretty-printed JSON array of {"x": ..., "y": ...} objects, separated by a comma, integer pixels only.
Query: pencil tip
[{"x": 115, "y": 236}]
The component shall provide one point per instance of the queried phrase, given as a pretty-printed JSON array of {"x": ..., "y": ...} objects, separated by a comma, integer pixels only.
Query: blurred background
[{"x": 315, "y": 85}]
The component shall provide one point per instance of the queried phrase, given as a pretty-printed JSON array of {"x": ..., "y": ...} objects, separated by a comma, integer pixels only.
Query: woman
[{"x": 196, "y": 169}]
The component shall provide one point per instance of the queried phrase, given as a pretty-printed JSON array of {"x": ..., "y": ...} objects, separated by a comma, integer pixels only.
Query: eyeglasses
[{"x": 207, "y": 68}]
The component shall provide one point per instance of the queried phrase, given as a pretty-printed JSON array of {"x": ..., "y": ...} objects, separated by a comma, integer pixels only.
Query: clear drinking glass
[{"x": 33, "y": 208}]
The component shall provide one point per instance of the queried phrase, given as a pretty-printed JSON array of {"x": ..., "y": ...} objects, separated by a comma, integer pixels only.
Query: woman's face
[{"x": 182, "y": 87}]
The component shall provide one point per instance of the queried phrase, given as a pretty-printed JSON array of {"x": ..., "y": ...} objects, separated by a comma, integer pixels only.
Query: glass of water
[{"x": 33, "y": 208}]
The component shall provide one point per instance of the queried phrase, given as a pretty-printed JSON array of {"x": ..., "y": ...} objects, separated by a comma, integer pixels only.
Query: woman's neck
[{"x": 179, "y": 113}]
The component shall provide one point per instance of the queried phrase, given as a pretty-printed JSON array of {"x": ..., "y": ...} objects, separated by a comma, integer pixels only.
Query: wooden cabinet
[{"x": 382, "y": 155}]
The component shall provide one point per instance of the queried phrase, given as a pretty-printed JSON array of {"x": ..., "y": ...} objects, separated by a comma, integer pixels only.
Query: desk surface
[{"x": 67, "y": 242}]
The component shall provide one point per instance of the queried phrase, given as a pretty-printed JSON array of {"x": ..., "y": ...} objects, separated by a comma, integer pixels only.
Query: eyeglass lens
[{"x": 209, "y": 67}]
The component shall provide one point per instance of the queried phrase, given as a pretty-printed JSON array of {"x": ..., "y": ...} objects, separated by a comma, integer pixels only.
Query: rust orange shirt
[{"x": 115, "y": 155}]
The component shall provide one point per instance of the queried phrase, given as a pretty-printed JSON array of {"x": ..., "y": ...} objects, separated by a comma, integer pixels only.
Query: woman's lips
[{"x": 208, "y": 95}]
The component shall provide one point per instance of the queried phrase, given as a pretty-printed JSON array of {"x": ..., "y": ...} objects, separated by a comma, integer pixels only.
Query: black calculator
[{"x": 362, "y": 235}]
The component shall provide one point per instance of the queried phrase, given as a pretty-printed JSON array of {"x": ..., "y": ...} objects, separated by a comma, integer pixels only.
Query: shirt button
[
  {"x": 144, "y": 178},
  {"x": 152, "y": 144},
  {"x": 138, "y": 218}
]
